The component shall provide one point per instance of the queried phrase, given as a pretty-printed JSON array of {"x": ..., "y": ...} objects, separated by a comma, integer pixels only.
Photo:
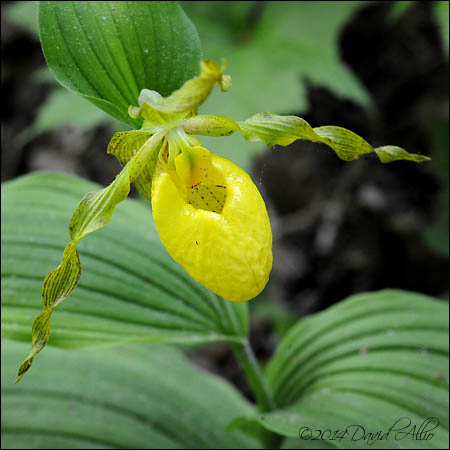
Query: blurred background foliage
[{"x": 377, "y": 68}]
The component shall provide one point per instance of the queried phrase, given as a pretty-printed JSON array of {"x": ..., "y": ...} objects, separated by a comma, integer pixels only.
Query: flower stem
[
  {"x": 255, "y": 377},
  {"x": 260, "y": 388}
]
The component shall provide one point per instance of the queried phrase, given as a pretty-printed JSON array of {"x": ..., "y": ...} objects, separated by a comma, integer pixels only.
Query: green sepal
[
  {"x": 93, "y": 212},
  {"x": 210, "y": 125},
  {"x": 273, "y": 129},
  {"x": 195, "y": 91}
]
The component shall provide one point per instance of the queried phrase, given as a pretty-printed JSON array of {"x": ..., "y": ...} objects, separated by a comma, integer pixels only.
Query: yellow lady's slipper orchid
[
  {"x": 218, "y": 229},
  {"x": 209, "y": 214}
]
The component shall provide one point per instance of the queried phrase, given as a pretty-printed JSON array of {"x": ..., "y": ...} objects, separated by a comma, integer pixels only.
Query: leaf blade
[
  {"x": 131, "y": 290},
  {"x": 126, "y": 396},
  {"x": 369, "y": 360},
  {"x": 107, "y": 52}
]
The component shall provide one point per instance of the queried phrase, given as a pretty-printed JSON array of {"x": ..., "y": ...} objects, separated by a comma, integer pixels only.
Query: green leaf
[
  {"x": 128, "y": 397},
  {"x": 289, "y": 41},
  {"x": 283, "y": 130},
  {"x": 109, "y": 51},
  {"x": 399, "y": 8},
  {"x": 65, "y": 108},
  {"x": 369, "y": 360},
  {"x": 131, "y": 289},
  {"x": 24, "y": 14},
  {"x": 271, "y": 48},
  {"x": 437, "y": 235},
  {"x": 292, "y": 443},
  {"x": 442, "y": 15}
]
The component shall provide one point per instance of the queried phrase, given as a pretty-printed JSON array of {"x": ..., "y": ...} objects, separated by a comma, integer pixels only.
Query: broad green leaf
[
  {"x": 289, "y": 41},
  {"x": 273, "y": 129},
  {"x": 24, "y": 14},
  {"x": 442, "y": 16},
  {"x": 131, "y": 289},
  {"x": 295, "y": 443},
  {"x": 271, "y": 48},
  {"x": 398, "y": 8},
  {"x": 437, "y": 235},
  {"x": 128, "y": 397},
  {"x": 65, "y": 108},
  {"x": 109, "y": 51},
  {"x": 369, "y": 360},
  {"x": 61, "y": 107}
]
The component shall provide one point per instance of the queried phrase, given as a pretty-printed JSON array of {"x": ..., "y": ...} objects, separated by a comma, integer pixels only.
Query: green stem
[
  {"x": 255, "y": 376},
  {"x": 260, "y": 388}
]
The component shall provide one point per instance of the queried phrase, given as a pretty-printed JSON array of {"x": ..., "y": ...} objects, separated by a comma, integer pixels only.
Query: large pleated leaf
[
  {"x": 130, "y": 288},
  {"x": 109, "y": 51},
  {"x": 370, "y": 360},
  {"x": 134, "y": 396}
]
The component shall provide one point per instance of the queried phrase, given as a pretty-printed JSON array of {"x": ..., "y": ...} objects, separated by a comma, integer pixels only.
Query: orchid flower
[{"x": 208, "y": 212}]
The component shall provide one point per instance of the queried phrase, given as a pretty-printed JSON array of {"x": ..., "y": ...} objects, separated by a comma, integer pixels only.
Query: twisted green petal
[
  {"x": 93, "y": 212},
  {"x": 273, "y": 129}
]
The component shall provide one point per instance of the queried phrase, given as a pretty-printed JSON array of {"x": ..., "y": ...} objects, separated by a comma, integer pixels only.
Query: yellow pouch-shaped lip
[{"x": 229, "y": 253}]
